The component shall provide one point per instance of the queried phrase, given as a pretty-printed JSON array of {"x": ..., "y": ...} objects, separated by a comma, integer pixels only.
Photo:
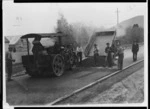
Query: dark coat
[
  {"x": 135, "y": 48},
  {"x": 108, "y": 50},
  {"x": 8, "y": 59},
  {"x": 37, "y": 48}
]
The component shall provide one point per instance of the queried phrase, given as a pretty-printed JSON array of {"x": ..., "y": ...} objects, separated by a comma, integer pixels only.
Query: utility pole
[
  {"x": 117, "y": 16},
  {"x": 117, "y": 23}
]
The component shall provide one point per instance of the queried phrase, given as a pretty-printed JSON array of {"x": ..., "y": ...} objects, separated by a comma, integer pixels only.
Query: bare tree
[
  {"x": 65, "y": 28},
  {"x": 133, "y": 33}
]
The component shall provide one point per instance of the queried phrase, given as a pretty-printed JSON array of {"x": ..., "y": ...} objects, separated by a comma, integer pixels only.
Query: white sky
[{"x": 23, "y": 18}]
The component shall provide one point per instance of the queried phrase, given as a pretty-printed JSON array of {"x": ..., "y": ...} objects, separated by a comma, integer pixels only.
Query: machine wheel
[{"x": 58, "y": 65}]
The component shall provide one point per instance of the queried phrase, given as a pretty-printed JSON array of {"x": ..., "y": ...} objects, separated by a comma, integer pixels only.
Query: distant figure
[
  {"x": 96, "y": 54},
  {"x": 9, "y": 61},
  {"x": 108, "y": 51},
  {"x": 79, "y": 53},
  {"x": 135, "y": 49},
  {"x": 120, "y": 53}
]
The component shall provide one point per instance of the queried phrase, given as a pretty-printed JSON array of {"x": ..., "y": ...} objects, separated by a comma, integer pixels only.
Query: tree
[
  {"x": 137, "y": 33},
  {"x": 76, "y": 33},
  {"x": 133, "y": 33},
  {"x": 65, "y": 28}
]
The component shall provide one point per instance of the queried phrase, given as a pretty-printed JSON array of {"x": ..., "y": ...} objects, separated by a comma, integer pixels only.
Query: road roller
[{"x": 43, "y": 60}]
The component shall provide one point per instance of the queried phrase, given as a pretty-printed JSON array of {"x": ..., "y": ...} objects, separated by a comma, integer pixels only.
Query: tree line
[
  {"x": 133, "y": 33},
  {"x": 79, "y": 33}
]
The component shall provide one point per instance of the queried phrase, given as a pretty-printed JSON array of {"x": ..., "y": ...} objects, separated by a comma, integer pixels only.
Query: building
[{"x": 19, "y": 47}]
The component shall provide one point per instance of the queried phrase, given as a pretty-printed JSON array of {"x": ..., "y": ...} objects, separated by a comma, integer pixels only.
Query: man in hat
[
  {"x": 37, "y": 49},
  {"x": 9, "y": 61},
  {"x": 37, "y": 46},
  {"x": 120, "y": 53},
  {"x": 96, "y": 53},
  {"x": 135, "y": 49},
  {"x": 108, "y": 52},
  {"x": 114, "y": 50}
]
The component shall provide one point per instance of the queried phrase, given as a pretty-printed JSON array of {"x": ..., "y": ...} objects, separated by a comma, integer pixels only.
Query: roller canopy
[{"x": 44, "y": 35}]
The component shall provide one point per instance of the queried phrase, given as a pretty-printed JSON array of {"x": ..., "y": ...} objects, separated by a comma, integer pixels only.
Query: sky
[{"x": 24, "y": 18}]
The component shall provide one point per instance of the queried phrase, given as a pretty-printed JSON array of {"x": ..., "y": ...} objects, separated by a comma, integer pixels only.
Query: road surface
[{"x": 34, "y": 91}]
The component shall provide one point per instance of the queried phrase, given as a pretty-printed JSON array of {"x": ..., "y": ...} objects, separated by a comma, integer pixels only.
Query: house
[{"x": 19, "y": 47}]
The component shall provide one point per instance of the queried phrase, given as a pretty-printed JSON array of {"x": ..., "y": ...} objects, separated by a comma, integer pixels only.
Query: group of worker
[{"x": 111, "y": 52}]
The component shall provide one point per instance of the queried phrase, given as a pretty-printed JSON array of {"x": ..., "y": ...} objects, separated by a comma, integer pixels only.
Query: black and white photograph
[{"x": 75, "y": 54}]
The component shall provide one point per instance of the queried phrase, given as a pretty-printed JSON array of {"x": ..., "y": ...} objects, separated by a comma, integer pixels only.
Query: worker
[
  {"x": 120, "y": 53},
  {"x": 96, "y": 54},
  {"x": 135, "y": 49},
  {"x": 79, "y": 53},
  {"x": 108, "y": 52},
  {"x": 57, "y": 48},
  {"x": 9, "y": 61},
  {"x": 38, "y": 47},
  {"x": 114, "y": 50},
  {"x": 37, "y": 50}
]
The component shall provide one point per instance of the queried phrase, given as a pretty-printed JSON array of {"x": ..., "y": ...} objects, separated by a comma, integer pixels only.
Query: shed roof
[
  {"x": 6, "y": 40},
  {"x": 43, "y": 35},
  {"x": 13, "y": 39}
]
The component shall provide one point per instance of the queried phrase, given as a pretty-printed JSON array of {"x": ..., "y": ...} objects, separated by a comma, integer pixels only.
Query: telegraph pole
[
  {"x": 117, "y": 23},
  {"x": 117, "y": 16}
]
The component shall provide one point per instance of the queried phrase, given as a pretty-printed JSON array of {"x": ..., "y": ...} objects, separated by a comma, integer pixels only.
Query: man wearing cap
[
  {"x": 9, "y": 61},
  {"x": 79, "y": 53},
  {"x": 114, "y": 50},
  {"x": 108, "y": 52},
  {"x": 96, "y": 53},
  {"x": 135, "y": 49},
  {"x": 120, "y": 53}
]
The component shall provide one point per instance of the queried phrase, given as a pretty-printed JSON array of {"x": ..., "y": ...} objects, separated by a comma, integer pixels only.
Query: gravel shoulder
[
  {"x": 129, "y": 90},
  {"x": 125, "y": 87}
]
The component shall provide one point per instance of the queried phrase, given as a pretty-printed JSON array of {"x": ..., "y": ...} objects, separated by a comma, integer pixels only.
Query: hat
[
  {"x": 107, "y": 43},
  {"x": 95, "y": 44}
]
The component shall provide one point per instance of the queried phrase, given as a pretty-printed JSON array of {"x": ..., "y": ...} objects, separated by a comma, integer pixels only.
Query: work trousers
[
  {"x": 96, "y": 58},
  {"x": 134, "y": 56},
  {"x": 9, "y": 71},
  {"x": 109, "y": 60},
  {"x": 120, "y": 61},
  {"x": 79, "y": 54}
]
